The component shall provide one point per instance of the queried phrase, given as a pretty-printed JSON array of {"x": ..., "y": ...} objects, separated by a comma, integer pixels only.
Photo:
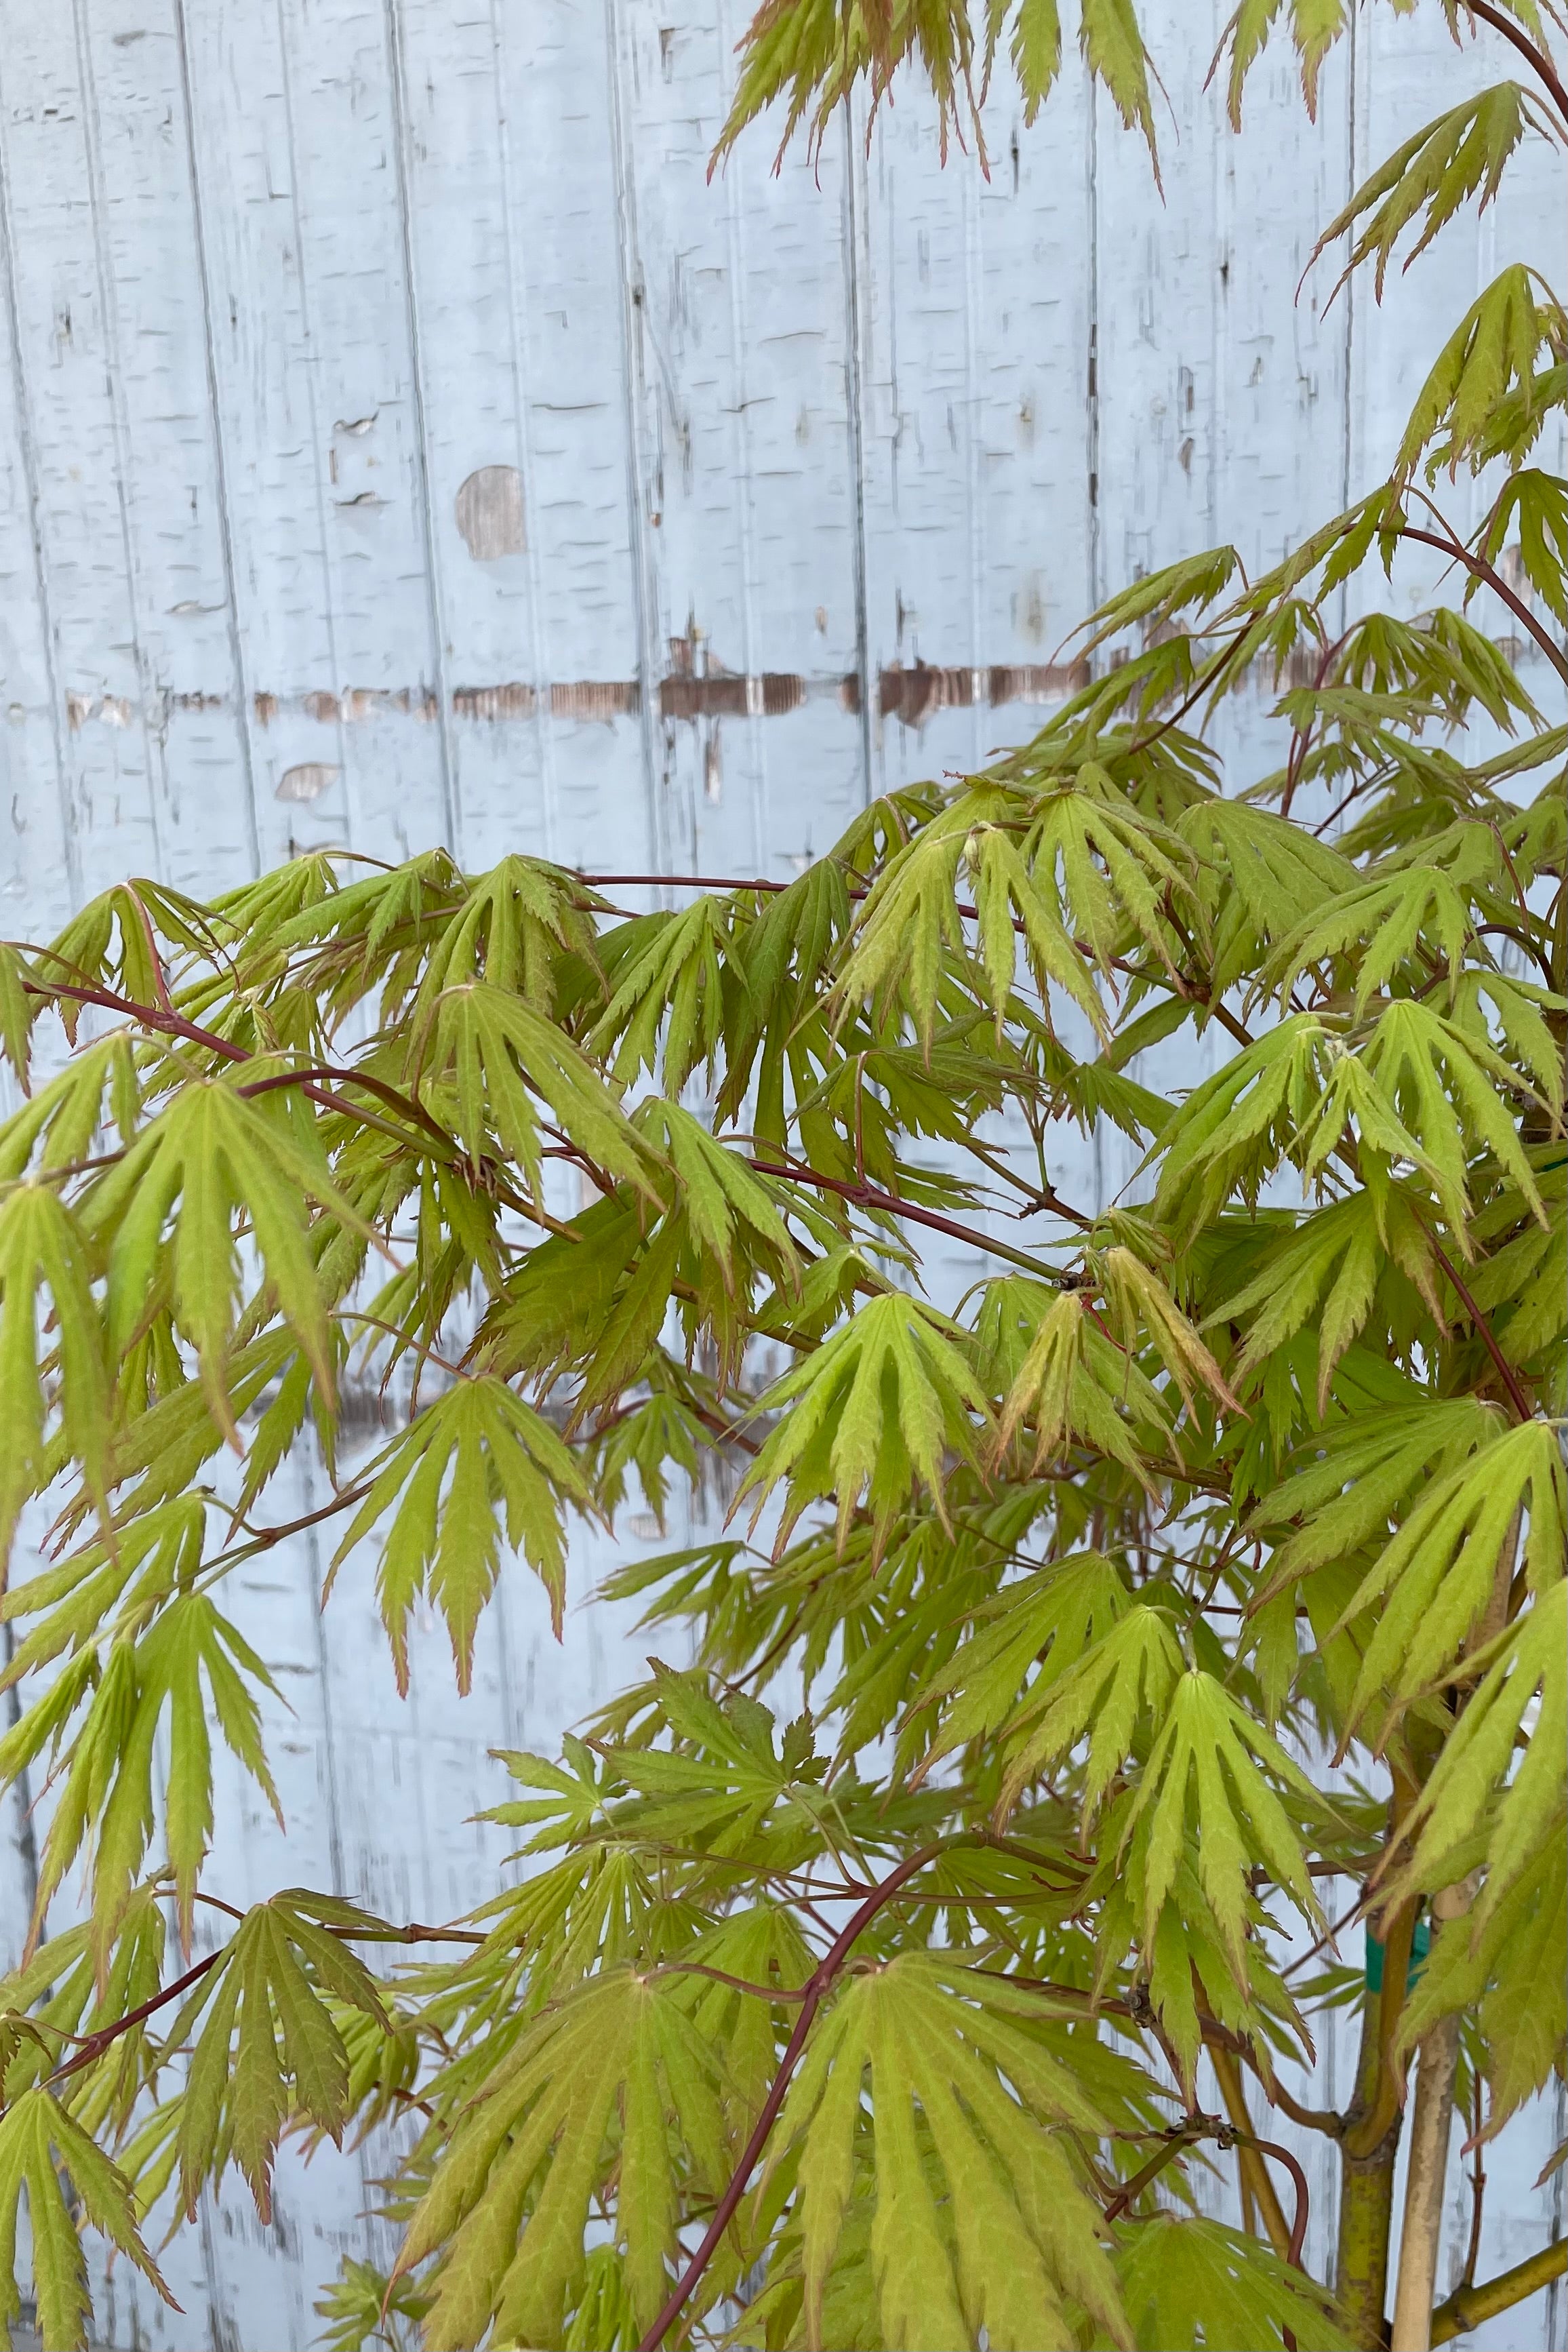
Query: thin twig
[
  {"x": 1538, "y": 59},
  {"x": 871, "y": 1196},
  {"x": 95, "y": 2044},
  {"x": 1181, "y": 2136},
  {"x": 817, "y": 1985},
  {"x": 1477, "y": 567},
  {"x": 1477, "y": 2189},
  {"x": 1516, "y": 1395}
]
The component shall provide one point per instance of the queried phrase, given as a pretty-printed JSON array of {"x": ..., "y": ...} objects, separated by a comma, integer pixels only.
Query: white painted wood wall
[{"x": 401, "y": 441}]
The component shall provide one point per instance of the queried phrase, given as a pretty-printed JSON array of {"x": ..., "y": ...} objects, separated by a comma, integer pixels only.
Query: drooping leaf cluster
[{"x": 854, "y": 1988}]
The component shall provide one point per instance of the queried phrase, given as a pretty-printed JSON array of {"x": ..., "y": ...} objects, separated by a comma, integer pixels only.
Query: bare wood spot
[
  {"x": 912, "y": 695},
  {"x": 323, "y": 708},
  {"x": 510, "y": 701},
  {"x": 490, "y": 513},
  {"x": 594, "y": 698},
  {"x": 308, "y": 782}
]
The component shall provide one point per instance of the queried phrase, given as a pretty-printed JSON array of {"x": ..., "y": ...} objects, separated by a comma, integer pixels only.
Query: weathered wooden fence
[{"x": 401, "y": 440}]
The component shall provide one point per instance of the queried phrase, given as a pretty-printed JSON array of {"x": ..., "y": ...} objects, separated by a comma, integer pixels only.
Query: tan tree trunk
[{"x": 1421, "y": 2238}]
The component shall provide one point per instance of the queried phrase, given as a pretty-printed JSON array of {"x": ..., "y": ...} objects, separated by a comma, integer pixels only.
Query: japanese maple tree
[{"x": 1067, "y": 1639}]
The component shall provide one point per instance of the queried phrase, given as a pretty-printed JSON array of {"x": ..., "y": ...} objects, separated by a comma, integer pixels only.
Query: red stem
[
  {"x": 1458, "y": 554},
  {"x": 97, "y": 2044},
  {"x": 93, "y": 2045},
  {"x": 1537, "y": 58},
  {"x": 819, "y": 1984},
  {"x": 868, "y": 1196},
  {"x": 1517, "y": 1397},
  {"x": 1299, "y": 2226},
  {"x": 1155, "y": 2165}
]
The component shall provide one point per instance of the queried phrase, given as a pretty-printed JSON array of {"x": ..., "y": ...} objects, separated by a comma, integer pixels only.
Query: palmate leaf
[
  {"x": 267, "y": 2049},
  {"x": 1436, "y": 170},
  {"x": 189, "y": 1668},
  {"x": 1047, "y": 1622},
  {"x": 1385, "y": 922},
  {"x": 62, "y": 1987},
  {"x": 113, "y": 943},
  {"x": 666, "y": 1008},
  {"x": 1006, "y": 892},
  {"x": 221, "y": 1158},
  {"x": 1359, "y": 1476},
  {"x": 615, "y": 2078},
  {"x": 1325, "y": 1272},
  {"x": 1126, "y": 1676},
  {"x": 1434, "y": 1582},
  {"x": 1314, "y": 27},
  {"x": 1141, "y": 1310},
  {"x": 1110, "y": 869},
  {"x": 779, "y": 956},
  {"x": 1189, "y": 2282},
  {"x": 1507, "y": 1967},
  {"x": 39, "y": 2140},
  {"x": 154, "y": 1554},
  {"x": 60, "y": 1121},
  {"x": 1474, "y": 1784},
  {"x": 509, "y": 927},
  {"x": 1263, "y": 876},
  {"x": 1188, "y": 1966},
  {"x": 1535, "y": 504},
  {"x": 873, "y": 1410},
  {"x": 726, "y": 1207},
  {"x": 1424, "y": 1089},
  {"x": 961, "y": 2071},
  {"x": 719, "y": 1797},
  {"x": 1064, "y": 1374},
  {"x": 43, "y": 1251},
  {"x": 476, "y": 1460},
  {"x": 1416, "y": 1090},
  {"x": 492, "y": 1051},
  {"x": 1489, "y": 367},
  {"x": 19, "y": 1011},
  {"x": 1209, "y": 1755},
  {"x": 908, "y": 926},
  {"x": 362, "y": 2305}
]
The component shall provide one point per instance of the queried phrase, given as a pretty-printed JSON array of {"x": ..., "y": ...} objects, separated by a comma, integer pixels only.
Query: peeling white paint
[{"x": 401, "y": 440}]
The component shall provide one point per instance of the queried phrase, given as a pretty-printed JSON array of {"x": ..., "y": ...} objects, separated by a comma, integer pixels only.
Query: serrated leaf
[
  {"x": 268, "y": 2050},
  {"x": 1208, "y": 1753},
  {"x": 1432, "y": 1584},
  {"x": 476, "y": 1461},
  {"x": 221, "y": 1159},
  {"x": 506, "y": 2213},
  {"x": 44, "y": 1252},
  {"x": 39, "y": 2141},
  {"x": 1189, "y": 2282},
  {"x": 874, "y": 1410},
  {"x": 975, "y": 2087}
]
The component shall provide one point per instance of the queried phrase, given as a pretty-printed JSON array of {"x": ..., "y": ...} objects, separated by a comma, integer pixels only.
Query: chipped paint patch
[
  {"x": 490, "y": 513},
  {"x": 308, "y": 782}
]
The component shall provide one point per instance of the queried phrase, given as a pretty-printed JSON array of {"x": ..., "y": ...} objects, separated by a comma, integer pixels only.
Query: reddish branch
[
  {"x": 93, "y": 2045},
  {"x": 869, "y": 1196},
  {"x": 1484, "y": 1332},
  {"x": 817, "y": 1987},
  {"x": 1537, "y": 58},
  {"x": 97, "y": 2044},
  {"x": 1480, "y": 570}
]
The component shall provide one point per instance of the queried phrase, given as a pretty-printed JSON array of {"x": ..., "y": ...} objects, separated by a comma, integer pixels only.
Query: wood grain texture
[{"x": 815, "y": 472}]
